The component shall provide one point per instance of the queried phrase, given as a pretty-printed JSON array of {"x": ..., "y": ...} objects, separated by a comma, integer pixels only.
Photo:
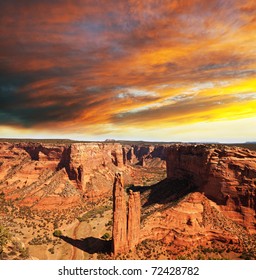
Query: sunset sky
[{"x": 178, "y": 70}]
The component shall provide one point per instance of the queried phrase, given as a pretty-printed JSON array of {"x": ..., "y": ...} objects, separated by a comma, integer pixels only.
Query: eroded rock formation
[
  {"x": 226, "y": 175},
  {"x": 134, "y": 213},
  {"x": 49, "y": 175},
  {"x": 146, "y": 155},
  {"x": 209, "y": 195},
  {"x": 193, "y": 220},
  {"x": 126, "y": 226},
  {"x": 58, "y": 175},
  {"x": 208, "y": 198},
  {"x": 119, "y": 216}
]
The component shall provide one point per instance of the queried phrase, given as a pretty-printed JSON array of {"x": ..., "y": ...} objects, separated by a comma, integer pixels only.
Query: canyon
[
  {"x": 115, "y": 200},
  {"x": 43, "y": 176}
]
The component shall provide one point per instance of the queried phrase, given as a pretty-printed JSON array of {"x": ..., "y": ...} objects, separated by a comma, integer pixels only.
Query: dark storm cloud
[{"x": 86, "y": 62}]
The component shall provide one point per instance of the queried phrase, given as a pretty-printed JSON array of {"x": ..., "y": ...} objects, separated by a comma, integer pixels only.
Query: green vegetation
[
  {"x": 92, "y": 214},
  {"x": 109, "y": 225},
  {"x": 24, "y": 253},
  {"x": 4, "y": 237},
  {"x": 248, "y": 255},
  {"x": 57, "y": 233},
  {"x": 105, "y": 236},
  {"x": 51, "y": 250}
]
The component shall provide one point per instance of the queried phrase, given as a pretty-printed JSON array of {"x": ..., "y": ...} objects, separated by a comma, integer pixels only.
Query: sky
[{"x": 178, "y": 70}]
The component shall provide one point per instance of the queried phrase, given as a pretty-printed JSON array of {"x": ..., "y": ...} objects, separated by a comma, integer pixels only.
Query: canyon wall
[
  {"x": 49, "y": 175},
  {"x": 226, "y": 175},
  {"x": 145, "y": 155},
  {"x": 220, "y": 205}
]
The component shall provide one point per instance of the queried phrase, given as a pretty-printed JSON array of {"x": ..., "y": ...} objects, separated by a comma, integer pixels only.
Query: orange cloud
[{"x": 81, "y": 65}]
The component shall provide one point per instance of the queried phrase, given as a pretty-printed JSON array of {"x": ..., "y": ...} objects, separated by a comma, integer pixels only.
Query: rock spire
[{"x": 126, "y": 226}]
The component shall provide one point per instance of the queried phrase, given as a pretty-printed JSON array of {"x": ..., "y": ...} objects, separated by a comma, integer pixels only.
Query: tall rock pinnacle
[
  {"x": 133, "y": 219},
  {"x": 126, "y": 228},
  {"x": 119, "y": 216}
]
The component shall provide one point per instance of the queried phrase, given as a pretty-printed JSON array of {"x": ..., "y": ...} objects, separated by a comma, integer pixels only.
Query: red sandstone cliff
[
  {"x": 209, "y": 196},
  {"x": 93, "y": 166},
  {"x": 49, "y": 175},
  {"x": 145, "y": 155},
  {"x": 58, "y": 175},
  {"x": 221, "y": 206},
  {"x": 226, "y": 175}
]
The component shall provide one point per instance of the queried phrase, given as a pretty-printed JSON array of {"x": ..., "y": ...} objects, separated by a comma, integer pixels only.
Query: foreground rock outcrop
[{"x": 225, "y": 175}]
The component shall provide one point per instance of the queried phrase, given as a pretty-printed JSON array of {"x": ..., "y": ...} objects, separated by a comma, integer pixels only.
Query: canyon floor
[
  {"x": 178, "y": 220},
  {"x": 86, "y": 230}
]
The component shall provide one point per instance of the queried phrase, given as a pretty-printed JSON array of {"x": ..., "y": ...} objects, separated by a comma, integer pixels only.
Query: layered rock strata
[
  {"x": 145, "y": 155},
  {"x": 50, "y": 175},
  {"x": 58, "y": 175},
  {"x": 195, "y": 219},
  {"x": 226, "y": 175}
]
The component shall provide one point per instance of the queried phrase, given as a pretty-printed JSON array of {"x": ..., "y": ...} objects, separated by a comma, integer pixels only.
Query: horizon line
[{"x": 123, "y": 140}]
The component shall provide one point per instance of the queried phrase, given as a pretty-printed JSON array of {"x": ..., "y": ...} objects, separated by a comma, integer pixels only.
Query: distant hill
[{"x": 248, "y": 145}]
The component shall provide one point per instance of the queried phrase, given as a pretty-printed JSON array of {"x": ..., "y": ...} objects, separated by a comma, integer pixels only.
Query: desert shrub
[
  {"x": 105, "y": 236},
  {"x": 247, "y": 255},
  {"x": 55, "y": 224},
  {"x": 57, "y": 233},
  {"x": 51, "y": 250},
  {"x": 24, "y": 253},
  {"x": 109, "y": 223},
  {"x": 4, "y": 237},
  {"x": 92, "y": 214}
]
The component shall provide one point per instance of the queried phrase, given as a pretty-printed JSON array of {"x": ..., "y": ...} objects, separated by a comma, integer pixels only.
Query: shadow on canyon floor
[
  {"x": 90, "y": 245},
  {"x": 167, "y": 190}
]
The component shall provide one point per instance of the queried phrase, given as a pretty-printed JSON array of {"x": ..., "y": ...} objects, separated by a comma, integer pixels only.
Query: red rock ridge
[{"x": 226, "y": 175}]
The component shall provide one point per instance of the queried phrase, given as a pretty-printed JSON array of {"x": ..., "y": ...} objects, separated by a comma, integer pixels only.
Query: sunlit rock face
[
  {"x": 226, "y": 175},
  {"x": 126, "y": 219},
  {"x": 50, "y": 175}
]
